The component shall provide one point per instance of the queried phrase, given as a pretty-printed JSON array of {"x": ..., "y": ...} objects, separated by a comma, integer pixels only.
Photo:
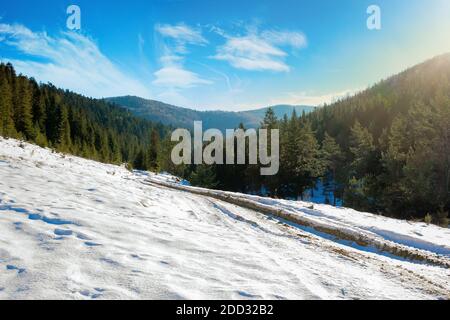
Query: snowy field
[
  {"x": 428, "y": 242},
  {"x": 76, "y": 229}
]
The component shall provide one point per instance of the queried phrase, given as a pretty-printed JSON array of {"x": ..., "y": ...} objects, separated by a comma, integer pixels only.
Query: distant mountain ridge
[{"x": 183, "y": 117}]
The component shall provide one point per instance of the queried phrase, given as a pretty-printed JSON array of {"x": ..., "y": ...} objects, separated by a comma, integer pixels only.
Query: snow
[
  {"x": 431, "y": 240},
  {"x": 71, "y": 228}
]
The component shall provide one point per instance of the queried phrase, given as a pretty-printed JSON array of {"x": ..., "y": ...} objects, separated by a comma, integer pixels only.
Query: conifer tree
[
  {"x": 23, "y": 115},
  {"x": 361, "y": 148},
  {"x": 203, "y": 176},
  {"x": 270, "y": 120},
  {"x": 332, "y": 158},
  {"x": 153, "y": 150},
  {"x": 6, "y": 107},
  {"x": 309, "y": 165},
  {"x": 141, "y": 160},
  {"x": 64, "y": 139}
]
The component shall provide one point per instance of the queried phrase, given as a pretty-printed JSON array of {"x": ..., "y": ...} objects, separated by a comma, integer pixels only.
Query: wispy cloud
[
  {"x": 69, "y": 60},
  {"x": 178, "y": 77},
  {"x": 260, "y": 51},
  {"x": 182, "y": 35},
  {"x": 173, "y": 74}
]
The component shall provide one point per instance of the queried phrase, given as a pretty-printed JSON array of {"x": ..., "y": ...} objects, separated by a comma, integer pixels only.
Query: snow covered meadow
[{"x": 77, "y": 229}]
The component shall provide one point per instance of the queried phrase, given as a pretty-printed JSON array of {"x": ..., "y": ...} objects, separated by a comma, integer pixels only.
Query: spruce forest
[
  {"x": 71, "y": 123},
  {"x": 385, "y": 150}
]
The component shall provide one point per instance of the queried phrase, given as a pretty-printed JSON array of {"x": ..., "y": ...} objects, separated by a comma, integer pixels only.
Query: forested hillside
[
  {"x": 385, "y": 150},
  {"x": 395, "y": 142},
  {"x": 71, "y": 123},
  {"x": 167, "y": 114}
]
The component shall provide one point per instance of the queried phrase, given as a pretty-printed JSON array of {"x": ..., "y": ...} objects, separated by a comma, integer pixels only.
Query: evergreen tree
[
  {"x": 309, "y": 165},
  {"x": 64, "y": 140},
  {"x": 203, "y": 176},
  {"x": 270, "y": 120},
  {"x": 141, "y": 161},
  {"x": 332, "y": 158},
  {"x": 154, "y": 150},
  {"x": 362, "y": 183},
  {"x": 23, "y": 116},
  {"x": 6, "y": 106},
  {"x": 39, "y": 109},
  {"x": 361, "y": 148}
]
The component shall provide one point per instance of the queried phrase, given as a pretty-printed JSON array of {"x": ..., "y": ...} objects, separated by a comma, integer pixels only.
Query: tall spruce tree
[
  {"x": 153, "y": 150},
  {"x": 332, "y": 158},
  {"x": 6, "y": 109},
  {"x": 64, "y": 139},
  {"x": 23, "y": 114}
]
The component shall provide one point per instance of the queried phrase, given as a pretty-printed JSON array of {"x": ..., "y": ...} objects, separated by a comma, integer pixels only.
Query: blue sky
[{"x": 229, "y": 55}]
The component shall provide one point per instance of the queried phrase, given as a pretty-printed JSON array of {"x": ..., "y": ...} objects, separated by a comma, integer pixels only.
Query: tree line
[
  {"x": 70, "y": 123},
  {"x": 385, "y": 150}
]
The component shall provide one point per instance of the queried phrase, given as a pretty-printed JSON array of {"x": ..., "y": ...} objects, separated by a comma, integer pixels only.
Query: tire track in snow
[{"x": 363, "y": 259}]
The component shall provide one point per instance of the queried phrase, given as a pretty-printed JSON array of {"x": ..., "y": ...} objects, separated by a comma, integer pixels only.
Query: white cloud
[
  {"x": 173, "y": 74},
  {"x": 70, "y": 61},
  {"x": 182, "y": 35},
  {"x": 289, "y": 38},
  {"x": 260, "y": 51},
  {"x": 178, "y": 77}
]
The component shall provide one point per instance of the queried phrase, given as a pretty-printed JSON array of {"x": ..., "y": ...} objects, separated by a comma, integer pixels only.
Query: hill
[
  {"x": 384, "y": 150},
  {"x": 72, "y": 123},
  {"x": 396, "y": 141},
  {"x": 183, "y": 117}
]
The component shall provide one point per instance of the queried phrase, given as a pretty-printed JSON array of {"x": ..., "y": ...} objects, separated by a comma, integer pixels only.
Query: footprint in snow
[
  {"x": 136, "y": 256},
  {"x": 247, "y": 295},
  {"x": 92, "y": 244},
  {"x": 92, "y": 295},
  {"x": 83, "y": 237},
  {"x": 110, "y": 262},
  {"x": 60, "y": 232},
  {"x": 53, "y": 221},
  {"x": 11, "y": 267}
]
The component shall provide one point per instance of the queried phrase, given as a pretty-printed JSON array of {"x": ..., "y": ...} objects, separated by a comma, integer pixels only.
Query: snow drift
[{"x": 71, "y": 228}]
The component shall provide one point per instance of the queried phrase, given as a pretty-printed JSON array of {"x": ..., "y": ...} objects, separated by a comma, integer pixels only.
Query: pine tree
[
  {"x": 203, "y": 176},
  {"x": 39, "y": 110},
  {"x": 23, "y": 116},
  {"x": 269, "y": 123},
  {"x": 363, "y": 186},
  {"x": 362, "y": 148},
  {"x": 332, "y": 158},
  {"x": 64, "y": 139},
  {"x": 309, "y": 165},
  {"x": 270, "y": 120},
  {"x": 153, "y": 150},
  {"x": 141, "y": 161},
  {"x": 6, "y": 107}
]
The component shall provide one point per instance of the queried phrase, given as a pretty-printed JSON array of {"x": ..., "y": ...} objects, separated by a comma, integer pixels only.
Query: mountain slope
[
  {"x": 182, "y": 117},
  {"x": 395, "y": 141},
  {"x": 70, "y": 122},
  {"x": 89, "y": 239}
]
